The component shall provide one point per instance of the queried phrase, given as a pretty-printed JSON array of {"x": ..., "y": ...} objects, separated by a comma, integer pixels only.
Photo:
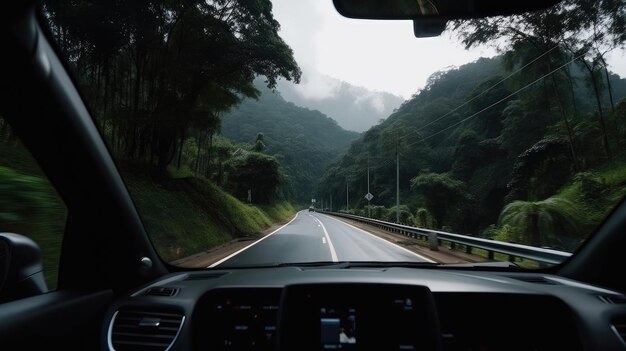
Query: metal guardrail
[{"x": 543, "y": 256}]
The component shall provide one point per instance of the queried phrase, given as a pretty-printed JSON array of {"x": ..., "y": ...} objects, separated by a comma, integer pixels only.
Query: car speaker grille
[{"x": 144, "y": 330}]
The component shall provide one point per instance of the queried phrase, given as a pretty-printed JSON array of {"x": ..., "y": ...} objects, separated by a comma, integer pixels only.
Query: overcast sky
[{"x": 378, "y": 55}]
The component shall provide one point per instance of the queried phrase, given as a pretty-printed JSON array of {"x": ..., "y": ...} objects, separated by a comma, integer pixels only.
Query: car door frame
[{"x": 105, "y": 249}]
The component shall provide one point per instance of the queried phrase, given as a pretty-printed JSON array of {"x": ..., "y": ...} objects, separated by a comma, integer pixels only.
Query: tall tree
[
  {"x": 442, "y": 194},
  {"x": 153, "y": 69}
]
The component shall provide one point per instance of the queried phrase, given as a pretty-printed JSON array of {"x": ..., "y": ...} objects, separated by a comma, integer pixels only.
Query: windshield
[{"x": 275, "y": 132}]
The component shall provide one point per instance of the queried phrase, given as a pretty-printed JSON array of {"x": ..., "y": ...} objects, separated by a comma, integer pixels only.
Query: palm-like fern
[{"x": 545, "y": 222}]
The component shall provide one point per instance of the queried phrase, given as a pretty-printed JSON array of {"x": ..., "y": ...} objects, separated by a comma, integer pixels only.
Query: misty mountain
[
  {"x": 490, "y": 142},
  {"x": 304, "y": 141},
  {"x": 354, "y": 108}
]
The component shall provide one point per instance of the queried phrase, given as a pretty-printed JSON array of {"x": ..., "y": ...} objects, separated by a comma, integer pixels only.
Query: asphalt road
[{"x": 313, "y": 237}]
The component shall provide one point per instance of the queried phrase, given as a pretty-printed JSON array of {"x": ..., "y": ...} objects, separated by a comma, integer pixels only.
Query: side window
[{"x": 29, "y": 205}]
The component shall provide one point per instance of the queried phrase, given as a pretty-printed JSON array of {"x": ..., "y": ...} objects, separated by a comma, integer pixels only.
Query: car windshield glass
[{"x": 278, "y": 132}]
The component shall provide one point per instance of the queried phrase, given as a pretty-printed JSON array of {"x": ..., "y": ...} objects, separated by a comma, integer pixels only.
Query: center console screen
[
  {"x": 338, "y": 328},
  {"x": 358, "y": 317}
]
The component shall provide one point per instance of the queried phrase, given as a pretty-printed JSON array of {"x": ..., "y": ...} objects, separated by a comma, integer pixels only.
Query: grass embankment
[
  {"x": 30, "y": 206},
  {"x": 187, "y": 215},
  {"x": 183, "y": 216}
]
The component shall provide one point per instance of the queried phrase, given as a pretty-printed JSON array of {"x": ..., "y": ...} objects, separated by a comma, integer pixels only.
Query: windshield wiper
[
  {"x": 499, "y": 265},
  {"x": 360, "y": 264}
]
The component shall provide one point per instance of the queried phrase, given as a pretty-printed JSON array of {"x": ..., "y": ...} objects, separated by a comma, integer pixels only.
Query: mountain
[
  {"x": 354, "y": 108},
  {"x": 472, "y": 142},
  {"x": 304, "y": 141}
]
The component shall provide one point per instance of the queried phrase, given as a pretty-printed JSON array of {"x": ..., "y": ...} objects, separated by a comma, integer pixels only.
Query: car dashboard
[{"x": 321, "y": 308}]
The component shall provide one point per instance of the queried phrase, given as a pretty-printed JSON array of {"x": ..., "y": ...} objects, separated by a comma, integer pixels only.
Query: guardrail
[{"x": 436, "y": 238}]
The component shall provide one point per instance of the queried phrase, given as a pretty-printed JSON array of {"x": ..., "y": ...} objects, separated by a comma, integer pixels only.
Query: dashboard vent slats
[
  {"x": 162, "y": 291},
  {"x": 143, "y": 330},
  {"x": 536, "y": 280},
  {"x": 612, "y": 299}
]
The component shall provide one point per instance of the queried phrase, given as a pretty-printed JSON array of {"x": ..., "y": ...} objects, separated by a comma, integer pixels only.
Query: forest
[
  {"x": 525, "y": 147},
  {"x": 304, "y": 141},
  {"x": 159, "y": 76}
]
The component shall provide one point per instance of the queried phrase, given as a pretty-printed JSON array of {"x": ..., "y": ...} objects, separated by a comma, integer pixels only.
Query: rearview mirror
[
  {"x": 444, "y": 9},
  {"x": 21, "y": 271}
]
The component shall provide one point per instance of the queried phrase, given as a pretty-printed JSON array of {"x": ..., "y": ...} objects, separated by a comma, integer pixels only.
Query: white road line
[
  {"x": 379, "y": 238},
  {"x": 333, "y": 254},
  {"x": 323, "y": 240},
  {"x": 254, "y": 243}
]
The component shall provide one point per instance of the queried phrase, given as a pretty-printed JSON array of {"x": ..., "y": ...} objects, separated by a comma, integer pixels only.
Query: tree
[
  {"x": 256, "y": 172},
  {"x": 153, "y": 69},
  {"x": 467, "y": 155},
  {"x": 259, "y": 145},
  {"x": 524, "y": 125},
  {"x": 540, "y": 170},
  {"x": 548, "y": 222},
  {"x": 442, "y": 194}
]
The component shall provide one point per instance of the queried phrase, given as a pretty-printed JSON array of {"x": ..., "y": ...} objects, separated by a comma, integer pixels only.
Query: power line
[
  {"x": 390, "y": 160},
  {"x": 497, "y": 102},
  {"x": 479, "y": 95}
]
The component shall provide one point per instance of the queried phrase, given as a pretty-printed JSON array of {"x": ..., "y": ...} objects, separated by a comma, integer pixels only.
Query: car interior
[{"x": 115, "y": 293}]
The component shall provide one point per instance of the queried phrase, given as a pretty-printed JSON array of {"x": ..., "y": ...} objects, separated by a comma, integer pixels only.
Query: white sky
[{"x": 378, "y": 55}]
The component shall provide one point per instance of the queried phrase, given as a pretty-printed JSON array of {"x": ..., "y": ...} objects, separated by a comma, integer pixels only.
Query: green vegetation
[
  {"x": 158, "y": 76},
  {"x": 524, "y": 147},
  {"x": 158, "y": 73},
  {"x": 544, "y": 223},
  {"x": 29, "y": 205},
  {"x": 304, "y": 141},
  {"x": 210, "y": 215},
  {"x": 439, "y": 191}
]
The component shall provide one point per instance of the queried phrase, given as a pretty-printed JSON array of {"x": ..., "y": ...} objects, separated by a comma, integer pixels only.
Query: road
[{"x": 313, "y": 237}]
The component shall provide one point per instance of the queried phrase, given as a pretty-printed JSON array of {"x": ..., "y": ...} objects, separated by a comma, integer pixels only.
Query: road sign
[
  {"x": 313, "y": 200},
  {"x": 369, "y": 196}
]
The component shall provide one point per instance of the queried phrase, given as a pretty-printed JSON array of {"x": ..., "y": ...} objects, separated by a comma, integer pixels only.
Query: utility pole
[
  {"x": 369, "y": 210},
  {"x": 397, "y": 184},
  {"x": 331, "y": 202},
  {"x": 347, "y": 196}
]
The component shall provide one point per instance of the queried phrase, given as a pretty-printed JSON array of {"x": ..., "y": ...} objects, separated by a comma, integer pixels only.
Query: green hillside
[
  {"x": 480, "y": 156},
  {"x": 303, "y": 140},
  {"x": 30, "y": 206}
]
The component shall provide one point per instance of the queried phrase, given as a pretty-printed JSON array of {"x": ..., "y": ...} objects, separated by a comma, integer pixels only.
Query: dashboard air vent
[
  {"x": 620, "y": 330},
  {"x": 162, "y": 291},
  {"x": 205, "y": 275},
  {"x": 535, "y": 279},
  {"x": 144, "y": 330},
  {"x": 612, "y": 299}
]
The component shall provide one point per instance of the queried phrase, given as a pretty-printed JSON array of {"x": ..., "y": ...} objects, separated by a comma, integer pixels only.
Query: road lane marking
[
  {"x": 323, "y": 240},
  {"x": 333, "y": 254},
  {"x": 254, "y": 243},
  {"x": 384, "y": 240}
]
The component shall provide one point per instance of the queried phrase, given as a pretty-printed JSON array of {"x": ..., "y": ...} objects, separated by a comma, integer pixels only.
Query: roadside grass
[
  {"x": 30, "y": 206},
  {"x": 183, "y": 214},
  {"x": 186, "y": 214}
]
